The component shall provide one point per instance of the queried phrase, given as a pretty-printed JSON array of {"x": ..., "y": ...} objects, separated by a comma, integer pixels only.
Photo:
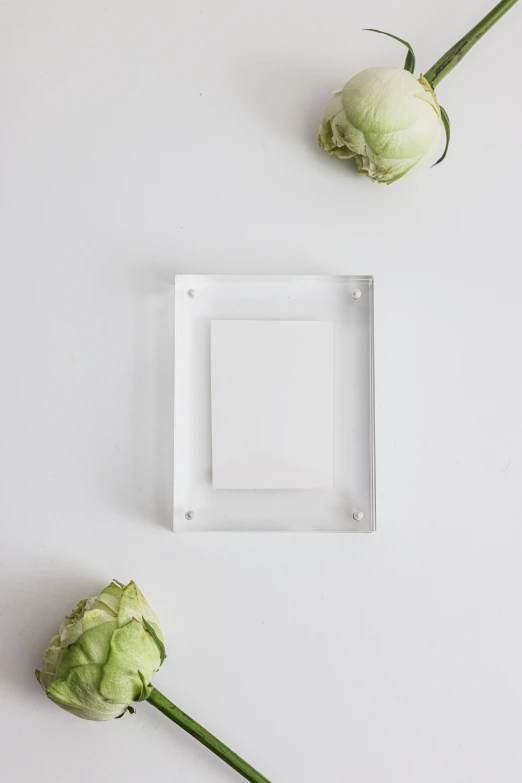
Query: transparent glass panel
[{"x": 274, "y": 404}]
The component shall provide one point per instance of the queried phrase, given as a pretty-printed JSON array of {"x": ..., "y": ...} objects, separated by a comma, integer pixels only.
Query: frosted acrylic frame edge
[{"x": 251, "y": 297}]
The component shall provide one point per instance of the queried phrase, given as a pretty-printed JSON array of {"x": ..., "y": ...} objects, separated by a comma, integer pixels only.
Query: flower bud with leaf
[
  {"x": 103, "y": 659},
  {"x": 388, "y": 120}
]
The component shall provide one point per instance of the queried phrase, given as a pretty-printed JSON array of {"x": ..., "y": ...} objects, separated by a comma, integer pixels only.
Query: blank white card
[{"x": 272, "y": 404}]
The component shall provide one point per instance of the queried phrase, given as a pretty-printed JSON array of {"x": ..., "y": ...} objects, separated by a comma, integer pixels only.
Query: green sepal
[
  {"x": 159, "y": 644},
  {"x": 146, "y": 688},
  {"x": 446, "y": 123},
  {"x": 409, "y": 63},
  {"x": 129, "y": 709}
]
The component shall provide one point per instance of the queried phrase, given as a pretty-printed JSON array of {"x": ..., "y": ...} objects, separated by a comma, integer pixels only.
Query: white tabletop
[{"x": 145, "y": 139}]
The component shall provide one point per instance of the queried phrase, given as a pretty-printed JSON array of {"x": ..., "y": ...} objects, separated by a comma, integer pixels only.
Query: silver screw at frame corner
[
  {"x": 189, "y": 515},
  {"x": 358, "y": 515},
  {"x": 356, "y": 294},
  {"x": 191, "y": 293}
]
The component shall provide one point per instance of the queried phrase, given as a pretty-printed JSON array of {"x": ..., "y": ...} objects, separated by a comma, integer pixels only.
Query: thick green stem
[
  {"x": 454, "y": 55},
  {"x": 165, "y": 706}
]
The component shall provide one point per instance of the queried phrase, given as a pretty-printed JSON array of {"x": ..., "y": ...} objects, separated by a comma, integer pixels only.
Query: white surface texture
[
  {"x": 272, "y": 390},
  {"x": 144, "y": 139}
]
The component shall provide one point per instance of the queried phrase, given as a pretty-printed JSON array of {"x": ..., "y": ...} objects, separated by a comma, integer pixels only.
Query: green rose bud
[
  {"x": 104, "y": 655},
  {"x": 386, "y": 119}
]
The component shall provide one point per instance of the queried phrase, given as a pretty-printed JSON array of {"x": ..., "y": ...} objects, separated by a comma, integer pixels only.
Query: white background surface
[{"x": 141, "y": 139}]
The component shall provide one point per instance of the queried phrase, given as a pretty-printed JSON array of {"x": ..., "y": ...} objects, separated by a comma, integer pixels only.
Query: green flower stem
[
  {"x": 454, "y": 55},
  {"x": 165, "y": 706}
]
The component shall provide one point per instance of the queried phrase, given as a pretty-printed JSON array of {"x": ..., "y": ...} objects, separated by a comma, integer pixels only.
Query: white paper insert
[{"x": 272, "y": 404}]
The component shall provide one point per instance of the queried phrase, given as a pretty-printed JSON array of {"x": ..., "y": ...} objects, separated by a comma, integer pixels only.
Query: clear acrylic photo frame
[{"x": 347, "y": 301}]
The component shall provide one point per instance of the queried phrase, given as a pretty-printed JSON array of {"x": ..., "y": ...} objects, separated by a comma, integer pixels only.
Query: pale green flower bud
[
  {"x": 386, "y": 119},
  {"x": 104, "y": 655}
]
